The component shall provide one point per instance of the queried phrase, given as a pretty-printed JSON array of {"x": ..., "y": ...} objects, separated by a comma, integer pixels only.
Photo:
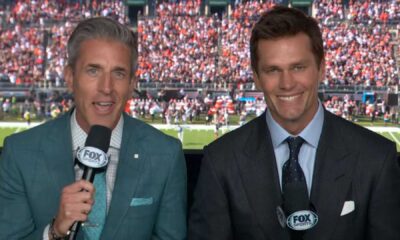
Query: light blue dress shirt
[{"x": 310, "y": 134}]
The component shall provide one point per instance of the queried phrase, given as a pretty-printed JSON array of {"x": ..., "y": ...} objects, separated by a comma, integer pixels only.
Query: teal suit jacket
[{"x": 148, "y": 200}]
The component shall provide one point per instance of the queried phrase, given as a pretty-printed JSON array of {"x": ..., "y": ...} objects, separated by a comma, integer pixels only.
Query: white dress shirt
[{"x": 78, "y": 140}]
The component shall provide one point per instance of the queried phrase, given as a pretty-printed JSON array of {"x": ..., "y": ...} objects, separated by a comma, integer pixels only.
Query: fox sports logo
[
  {"x": 92, "y": 157},
  {"x": 302, "y": 220}
]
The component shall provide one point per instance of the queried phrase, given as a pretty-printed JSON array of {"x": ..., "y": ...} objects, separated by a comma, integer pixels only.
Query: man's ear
[
  {"x": 133, "y": 83},
  {"x": 69, "y": 78},
  {"x": 322, "y": 71},
  {"x": 256, "y": 80}
]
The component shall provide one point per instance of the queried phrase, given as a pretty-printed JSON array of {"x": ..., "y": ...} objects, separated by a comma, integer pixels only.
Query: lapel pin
[
  {"x": 135, "y": 156},
  {"x": 281, "y": 216}
]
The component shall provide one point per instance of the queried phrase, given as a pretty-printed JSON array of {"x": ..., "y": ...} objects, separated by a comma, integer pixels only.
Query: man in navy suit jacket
[{"x": 352, "y": 175}]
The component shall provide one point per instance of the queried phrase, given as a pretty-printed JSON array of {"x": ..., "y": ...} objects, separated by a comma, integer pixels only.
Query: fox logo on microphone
[
  {"x": 302, "y": 220},
  {"x": 92, "y": 157}
]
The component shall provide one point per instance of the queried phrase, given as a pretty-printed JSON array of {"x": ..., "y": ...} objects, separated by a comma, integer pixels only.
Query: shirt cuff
[{"x": 46, "y": 232}]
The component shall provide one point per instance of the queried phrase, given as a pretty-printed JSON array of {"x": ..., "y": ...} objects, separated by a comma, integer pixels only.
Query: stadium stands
[
  {"x": 183, "y": 47},
  {"x": 358, "y": 52},
  {"x": 34, "y": 33},
  {"x": 178, "y": 44}
]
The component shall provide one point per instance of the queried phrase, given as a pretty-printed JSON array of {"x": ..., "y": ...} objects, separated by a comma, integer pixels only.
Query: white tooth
[
  {"x": 289, "y": 98},
  {"x": 104, "y": 104}
]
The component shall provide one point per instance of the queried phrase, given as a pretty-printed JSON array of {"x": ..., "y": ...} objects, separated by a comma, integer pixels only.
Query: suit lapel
[
  {"x": 128, "y": 175},
  {"x": 332, "y": 177},
  {"x": 259, "y": 173},
  {"x": 57, "y": 149}
]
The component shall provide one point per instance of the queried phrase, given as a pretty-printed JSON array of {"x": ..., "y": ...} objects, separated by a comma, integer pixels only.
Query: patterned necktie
[
  {"x": 294, "y": 186},
  {"x": 97, "y": 216}
]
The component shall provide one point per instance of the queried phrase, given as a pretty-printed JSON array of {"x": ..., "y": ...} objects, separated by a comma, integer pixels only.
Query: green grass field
[
  {"x": 194, "y": 139},
  {"x": 196, "y": 136},
  {"x": 394, "y": 136}
]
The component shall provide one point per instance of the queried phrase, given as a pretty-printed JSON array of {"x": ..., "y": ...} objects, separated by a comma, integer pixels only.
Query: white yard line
[
  {"x": 394, "y": 138},
  {"x": 186, "y": 126},
  {"x": 384, "y": 129},
  {"x": 19, "y": 124}
]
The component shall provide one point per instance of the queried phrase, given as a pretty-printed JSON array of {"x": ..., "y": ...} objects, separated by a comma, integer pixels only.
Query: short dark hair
[
  {"x": 101, "y": 28},
  {"x": 281, "y": 22}
]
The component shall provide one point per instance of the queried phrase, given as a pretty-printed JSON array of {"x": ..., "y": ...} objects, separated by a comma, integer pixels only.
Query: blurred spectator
[
  {"x": 179, "y": 45},
  {"x": 368, "y": 11},
  {"x": 359, "y": 55},
  {"x": 21, "y": 54},
  {"x": 328, "y": 10},
  {"x": 234, "y": 61}
]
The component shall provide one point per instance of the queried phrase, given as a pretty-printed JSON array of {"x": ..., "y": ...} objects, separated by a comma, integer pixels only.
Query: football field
[{"x": 194, "y": 136}]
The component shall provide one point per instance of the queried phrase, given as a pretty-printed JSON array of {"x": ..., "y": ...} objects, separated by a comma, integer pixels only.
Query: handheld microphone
[{"x": 93, "y": 156}]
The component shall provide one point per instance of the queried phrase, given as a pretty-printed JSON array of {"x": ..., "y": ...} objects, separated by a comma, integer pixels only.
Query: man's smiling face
[{"x": 289, "y": 76}]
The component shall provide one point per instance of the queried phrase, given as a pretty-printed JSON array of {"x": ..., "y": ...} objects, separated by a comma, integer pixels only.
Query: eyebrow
[
  {"x": 94, "y": 65},
  {"x": 299, "y": 62},
  {"x": 120, "y": 69},
  {"x": 302, "y": 61},
  {"x": 117, "y": 68}
]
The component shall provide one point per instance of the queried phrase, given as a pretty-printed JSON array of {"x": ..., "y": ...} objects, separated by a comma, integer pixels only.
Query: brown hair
[{"x": 283, "y": 22}]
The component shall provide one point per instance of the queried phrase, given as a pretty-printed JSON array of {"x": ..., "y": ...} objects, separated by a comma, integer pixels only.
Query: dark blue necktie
[{"x": 294, "y": 186}]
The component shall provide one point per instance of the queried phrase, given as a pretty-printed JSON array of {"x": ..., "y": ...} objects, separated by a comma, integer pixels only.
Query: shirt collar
[
  {"x": 79, "y": 136},
  {"x": 311, "y": 133}
]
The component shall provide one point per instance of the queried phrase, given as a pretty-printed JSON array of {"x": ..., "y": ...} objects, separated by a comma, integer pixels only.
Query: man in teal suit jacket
[{"x": 38, "y": 179}]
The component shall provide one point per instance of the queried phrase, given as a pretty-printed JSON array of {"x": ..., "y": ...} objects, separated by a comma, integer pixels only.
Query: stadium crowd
[
  {"x": 374, "y": 11},
  {"x": 357, "y": 53},
  {"x": 364, "y": 11},
  {"x": 33, "y": 37},
  {"x": 180, "y": 44},
  {"x": 234, "y": 61},
  {"x": 21, "y": 55},
  {"x": 44, "y": 12}
]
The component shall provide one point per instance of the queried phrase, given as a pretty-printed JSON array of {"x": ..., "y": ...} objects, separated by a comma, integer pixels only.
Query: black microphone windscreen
[{"x": 99, "y": 137}]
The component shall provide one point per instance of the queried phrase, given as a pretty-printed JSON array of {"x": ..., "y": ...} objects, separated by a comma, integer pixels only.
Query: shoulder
[
  {"x": 163, "y": 153},
  {"x": 356, "y": 135},
  {"x": 150, "y": 136},
  {"x": 32, "y": 137},
  {"x": 239, "y": 137}
]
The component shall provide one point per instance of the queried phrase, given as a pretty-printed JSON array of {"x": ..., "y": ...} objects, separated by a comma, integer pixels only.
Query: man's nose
[
  {"x": 286, "y": 80},
  {"x": 105, "y": 83}
]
